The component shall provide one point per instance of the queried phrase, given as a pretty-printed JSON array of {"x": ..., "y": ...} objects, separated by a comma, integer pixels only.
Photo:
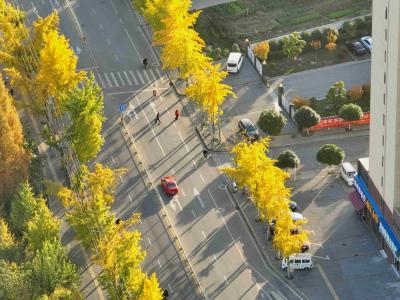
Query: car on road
[
  {"x": 299, "y": 261},
  {"x": 356, "y": 47},
  {"x": 247, "y": 129},
  {"x": 234, "y": 63},
  {"x": 348, "y": 172},
  {"x": 367, "y": 42},
  {"x": 169, "y": 185}
]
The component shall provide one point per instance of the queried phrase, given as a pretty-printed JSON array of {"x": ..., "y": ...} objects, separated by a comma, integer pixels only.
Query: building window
[
  {"x": 385, "y": 34},
  {"x": 385, "y": 55},
  {"x": 383, "y": 119},
  {"x": 382, "y": 160},
  {"x": 383, "y": 140},
  {"x": 386, "y": 13},
  {"x": 381, "y": 180},
  {"x": 384, "y": 77},
  {"x": 384, "y": 99}
]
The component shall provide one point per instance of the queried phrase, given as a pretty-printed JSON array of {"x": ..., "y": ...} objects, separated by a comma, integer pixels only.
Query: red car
[{"x": 169, "y": 185}]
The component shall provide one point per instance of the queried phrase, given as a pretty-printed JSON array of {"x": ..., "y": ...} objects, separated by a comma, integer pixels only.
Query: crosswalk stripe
[
  {"x": 140, "y": 76},
  {"x": 133, "y": 76},
  {"x": 147, "y": 76},
  {"x": 101, "y": 80},
  {"x": 159, "y": 73},
  {"x": 115, "y": 80},
  {"x": 108, "y": 80},
  {"x": 127, "y": 78},
  {"x": 152, "y": 74},
  {"x": 120, "y": 77}
]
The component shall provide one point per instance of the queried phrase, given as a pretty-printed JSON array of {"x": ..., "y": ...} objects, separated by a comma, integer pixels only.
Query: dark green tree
[
  {"x": 306, "y": 117},
  {"x": 351, "y": 112},
  {"x": 330, "y": 154},
  {"x": 288, "y": 160},
  {"x": 271, "y": 122},
  {"x": 337, "y": 95}
]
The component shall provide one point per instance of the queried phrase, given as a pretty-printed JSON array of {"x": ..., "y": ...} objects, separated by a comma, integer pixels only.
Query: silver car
[{"x": 367, "y": 42}]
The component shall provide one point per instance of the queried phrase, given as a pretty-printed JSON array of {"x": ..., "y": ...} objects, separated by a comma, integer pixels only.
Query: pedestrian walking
[
  {"x": 145, "y": 62},
  {"x": 154, "y": 91},
  {"x": 157, "y": 119},
  {"x": 176, "y": 115}
]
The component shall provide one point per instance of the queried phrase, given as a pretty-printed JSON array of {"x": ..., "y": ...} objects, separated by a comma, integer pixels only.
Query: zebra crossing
[{"x": 128, "y": 78}]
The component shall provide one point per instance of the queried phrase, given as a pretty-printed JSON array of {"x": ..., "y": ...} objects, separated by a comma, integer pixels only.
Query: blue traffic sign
[{"x": 121, "y": 107}]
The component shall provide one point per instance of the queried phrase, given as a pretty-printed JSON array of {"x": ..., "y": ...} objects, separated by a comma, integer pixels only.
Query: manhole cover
[{"x": 222, "y": 186}]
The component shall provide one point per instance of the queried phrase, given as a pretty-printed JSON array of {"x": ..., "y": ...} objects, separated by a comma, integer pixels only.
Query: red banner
[{"x": 337, "y": 122}]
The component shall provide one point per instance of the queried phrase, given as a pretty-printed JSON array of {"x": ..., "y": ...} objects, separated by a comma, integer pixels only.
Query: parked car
[
  {"x": 247, "y": 128},
  {"x": 168, "y": 183},
  {"x": 367, "y": 42},
  {"x": 299, "y": 261},
  {"x": 305, "y": 247},
  {"x": 348, "y": 172},
  {"x": 356, "y": 47},
  {"x": 292, "y": 205},
  {"x": 235, "y": 61}
]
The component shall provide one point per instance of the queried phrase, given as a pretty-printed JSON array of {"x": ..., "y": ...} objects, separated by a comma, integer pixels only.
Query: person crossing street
[
  {"x": 157, "y": 119},
  {"x": 176, "y": 115}
]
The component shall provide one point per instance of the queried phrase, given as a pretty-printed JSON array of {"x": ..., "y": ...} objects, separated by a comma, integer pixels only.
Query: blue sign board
[{"x": 121, "y": 107}]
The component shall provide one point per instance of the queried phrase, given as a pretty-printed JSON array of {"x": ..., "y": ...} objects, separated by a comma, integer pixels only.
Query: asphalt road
[{"x": 109, "y": 28}]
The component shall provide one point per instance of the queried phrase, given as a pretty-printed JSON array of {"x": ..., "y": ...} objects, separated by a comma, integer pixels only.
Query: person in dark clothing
[
  {"x": 205, "y": 153},
  {"x": 145, "y": 62},
  {"x": 157, "y": 119},
  {"x": 176, "y": 115}
]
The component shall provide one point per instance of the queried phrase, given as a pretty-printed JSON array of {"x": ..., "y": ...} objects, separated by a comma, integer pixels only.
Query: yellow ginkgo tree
[
  {"x": 182, "y": 47},
  {"x": 208, "y": 91}
]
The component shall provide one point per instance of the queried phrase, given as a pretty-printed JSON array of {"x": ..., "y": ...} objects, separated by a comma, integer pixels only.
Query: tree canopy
[
  {"x": 271, "y": 122},
  {"x": 288, "y": 160},
  {"x": 306, "y": 117},
  {"x": 330, "y": 154},
  {"x": 293, "y": 45}
]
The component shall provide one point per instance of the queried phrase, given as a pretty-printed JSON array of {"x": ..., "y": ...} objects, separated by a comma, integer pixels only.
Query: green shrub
[
  {"x": 316, "y": 35},
  {"x": 350, "y": 27},
  {"x": 271, "y": 122},
  {"x": 306, "y": 117},
  {"x": 288, "y": 160},
  {"x": 325, "y": 34},
  {"x": 351, "y": 112},
  {"x": 330, "y": 154},
  {"x": 306, "y": 36},
  {"x": 275, "y": 45},
  {"x": 235, "y": 48}
]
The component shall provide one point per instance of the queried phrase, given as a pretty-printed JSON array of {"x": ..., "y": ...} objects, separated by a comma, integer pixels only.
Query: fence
[{"x": 337, "y": 122}]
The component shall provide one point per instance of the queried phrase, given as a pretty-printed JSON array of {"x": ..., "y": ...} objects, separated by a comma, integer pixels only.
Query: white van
[
  {"x": 299, "y": 261},
  {"x": 348, "y": 172},
  {"x": 235, "y": 61}
]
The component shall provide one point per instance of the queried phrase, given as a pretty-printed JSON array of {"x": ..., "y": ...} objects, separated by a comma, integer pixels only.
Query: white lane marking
[
  {"x": 175, "y": 200},
  {"x": 325, "y": 258},
  {"x": 130, "y": 197},
  {"x": 158, "y": 72},
  {"x": 120, "y": 20},
  {"x": 202, "y": 232},
  {"x": 93, "y": 11},
  {"x": 115, "y": 10},
  {"x": 127, "y": 78},
  {"x": 226, "y": 280},
  {"x": 147, "y": 76},
  {"x": 158, "y": 261},
  {"x": 170, "y": 288},
  {"x": 108, "y": 80},
  {"x": 193, "y": 213},
  {"x": 120, "y": 77},
  {"x": 116, "y": 57},
  {"x": 202, "y": 178},
  {"x": 101, "y": 26},
  {"x": 114, "y": 79},
  {"x": 173, "y": 172},
  {"x": 328, "y": 283},
  {"x": 197, "y": 195},
  {"x": 153, "y": 106},
  {"x": 183, "y": 141},
  {"x": 215, "y": 258},
  {"x": 120, "y": 177},
  {"x": 152, "y": 130},
  {"x": 148, "y": 239},
  {"x": 101, "y": 80},
  {"x": 43, "y": 2},
  {"x": 134, "y": 47},
  {"x": 183, "y": 193},
  {"x": 140, "y": 77},
  {"x": 113, "y": 159},
  {"x": 194, "y": 163},
  {"x": 108, "y": 42},
  {"x": 133, "y": 76},
  {"x": 152, "y": 74}
]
